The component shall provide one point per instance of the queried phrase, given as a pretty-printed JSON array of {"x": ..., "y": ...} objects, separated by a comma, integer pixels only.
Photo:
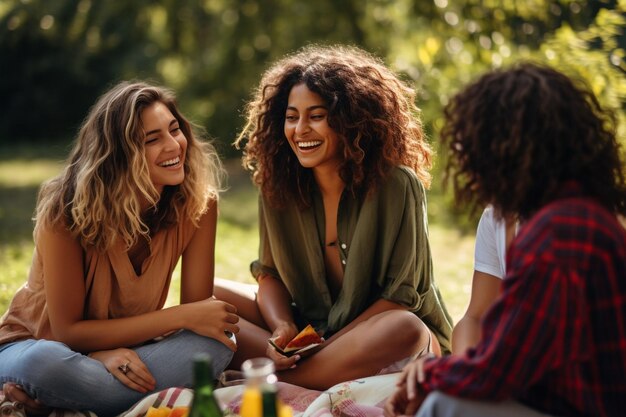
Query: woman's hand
[
  {"x": 408, "y": 397},
  {"x": 398, "y": 404},
  {"x": 413, "y": 374},
  {"x": 212, "y": 318},
  {"x": 14, "y": 392},
  {"x": 282, "y": 335},
  {"x": 125, "y": 365}
]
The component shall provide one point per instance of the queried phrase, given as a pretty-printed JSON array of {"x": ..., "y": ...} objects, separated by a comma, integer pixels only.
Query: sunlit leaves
[{"x": 214, "y": 51}]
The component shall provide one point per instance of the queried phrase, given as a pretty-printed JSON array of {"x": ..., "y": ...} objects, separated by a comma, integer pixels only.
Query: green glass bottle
[
  {"x": 269, "y": 401},
  {"x": 260, "y": 397},
  {"x": 204, "y": 403}
]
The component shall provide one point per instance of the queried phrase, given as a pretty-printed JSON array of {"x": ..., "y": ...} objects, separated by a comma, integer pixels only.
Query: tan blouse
[{"x": 113, "y": 289}]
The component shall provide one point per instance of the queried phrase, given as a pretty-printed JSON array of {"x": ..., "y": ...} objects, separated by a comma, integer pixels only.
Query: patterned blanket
[
  {"x": 358, "y": 398},
  {"x": 361, "y": 397}
]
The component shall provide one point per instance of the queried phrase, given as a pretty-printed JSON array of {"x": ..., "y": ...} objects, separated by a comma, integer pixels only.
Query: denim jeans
[
  {"x": 438, "y": 404},
  {"x": 61, "y": 378}
]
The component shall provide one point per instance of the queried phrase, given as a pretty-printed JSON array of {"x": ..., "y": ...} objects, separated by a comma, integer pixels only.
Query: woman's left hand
[{"x": 126, "y": 366}]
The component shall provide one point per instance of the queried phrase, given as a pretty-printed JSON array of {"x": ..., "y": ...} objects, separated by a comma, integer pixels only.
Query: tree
[{"x": 59, "y": 56}]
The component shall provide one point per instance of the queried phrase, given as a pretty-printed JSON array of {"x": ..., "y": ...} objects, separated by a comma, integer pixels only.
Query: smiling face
[
  {"x": 314, "y": 142},
  {"x": 165, "y": 146}
]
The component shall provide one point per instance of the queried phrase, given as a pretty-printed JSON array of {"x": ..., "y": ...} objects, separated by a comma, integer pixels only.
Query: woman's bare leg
[
  {"x": 363, "y": 351},
  {"x": 253, "y": 334},
  {"x": 251, "y": 343},
  {"x": 242, "y": 296}
]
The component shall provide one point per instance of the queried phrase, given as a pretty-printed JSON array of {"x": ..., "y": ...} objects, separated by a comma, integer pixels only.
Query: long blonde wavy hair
[{"x": 97, "y": 197}]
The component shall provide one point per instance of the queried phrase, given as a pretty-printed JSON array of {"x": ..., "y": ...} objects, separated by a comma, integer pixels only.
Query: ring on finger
[{"x": 124, "y": 368}]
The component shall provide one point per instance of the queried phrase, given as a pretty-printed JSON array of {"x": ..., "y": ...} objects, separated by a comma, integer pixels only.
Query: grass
[{"x": 23, "y": 169}]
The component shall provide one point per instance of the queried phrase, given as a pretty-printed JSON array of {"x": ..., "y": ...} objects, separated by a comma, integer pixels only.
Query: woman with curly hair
[
  {"x": 88, "y": 331},
  {"x": 334, "y": 143},
  {"x": 493, "y": 236},
  {"x": 537, "y": 146}
]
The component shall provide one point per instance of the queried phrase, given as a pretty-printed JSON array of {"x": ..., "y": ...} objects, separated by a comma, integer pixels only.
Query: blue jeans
[
  {"x": 61, "y": 378},
  {"x": 438, "y": 404}
]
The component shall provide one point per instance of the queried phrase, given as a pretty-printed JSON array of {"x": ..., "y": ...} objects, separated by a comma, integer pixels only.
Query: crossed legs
[{"x": 370, "y": 346}]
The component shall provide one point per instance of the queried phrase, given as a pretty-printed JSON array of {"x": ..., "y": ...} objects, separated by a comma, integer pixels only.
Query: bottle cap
[{"x": 258, "y": 368}]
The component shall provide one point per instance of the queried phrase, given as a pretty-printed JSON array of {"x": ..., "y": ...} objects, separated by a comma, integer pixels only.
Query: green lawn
[{"x": 22, "y": 170}]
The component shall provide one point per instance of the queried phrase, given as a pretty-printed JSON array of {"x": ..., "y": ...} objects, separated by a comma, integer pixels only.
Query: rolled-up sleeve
[
  {"x": 265, "y": 264},
  {"x": 408, "y": 279}
]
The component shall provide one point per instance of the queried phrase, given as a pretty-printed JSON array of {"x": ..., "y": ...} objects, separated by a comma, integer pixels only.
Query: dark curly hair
[
  {"x": 371, "y": 109},
  {"x": 515, "y": 136}
]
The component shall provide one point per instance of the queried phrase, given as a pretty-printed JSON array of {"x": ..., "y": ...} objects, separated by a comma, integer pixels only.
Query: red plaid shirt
[{"x": 556, "y": 338}]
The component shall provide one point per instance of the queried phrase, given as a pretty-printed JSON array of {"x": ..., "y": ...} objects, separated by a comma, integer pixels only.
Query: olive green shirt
[{"x": 384, "y": 251}]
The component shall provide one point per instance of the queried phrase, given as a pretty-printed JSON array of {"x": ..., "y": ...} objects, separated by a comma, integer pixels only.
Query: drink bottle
[
  {"x": 260, "y": 396},
  {"x": 269, "y": 402},
  {"x": 204, "y": 403}
]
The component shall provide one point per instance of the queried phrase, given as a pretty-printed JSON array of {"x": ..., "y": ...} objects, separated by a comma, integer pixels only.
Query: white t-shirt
[{"x": 490, "y": 247}]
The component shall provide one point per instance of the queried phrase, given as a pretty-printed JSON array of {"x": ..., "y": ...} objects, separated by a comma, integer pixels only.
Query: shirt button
[
  {"x": 343, "y": 246},
  {"x": 343, "y": 261}
]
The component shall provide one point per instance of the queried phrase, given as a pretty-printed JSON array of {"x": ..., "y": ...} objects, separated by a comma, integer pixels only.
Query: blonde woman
[{"x": 88, "y": 331}]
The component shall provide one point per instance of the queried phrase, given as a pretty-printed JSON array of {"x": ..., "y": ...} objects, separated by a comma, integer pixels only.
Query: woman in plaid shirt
[{"x": 535, "y": 144}]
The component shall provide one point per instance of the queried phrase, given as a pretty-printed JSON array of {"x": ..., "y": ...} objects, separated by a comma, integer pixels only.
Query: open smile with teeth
[
  {"x": 170, "y": 162},
  {"x": 309, "y": 144}
]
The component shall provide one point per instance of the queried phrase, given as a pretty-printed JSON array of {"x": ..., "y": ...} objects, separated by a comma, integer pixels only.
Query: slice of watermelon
[
  {"x": 305, "y": 340},
  {"x": 308, "y": 336}
]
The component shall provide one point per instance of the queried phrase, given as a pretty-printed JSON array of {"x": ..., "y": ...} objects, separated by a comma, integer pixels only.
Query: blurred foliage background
[{"x": 57, "y": 57}]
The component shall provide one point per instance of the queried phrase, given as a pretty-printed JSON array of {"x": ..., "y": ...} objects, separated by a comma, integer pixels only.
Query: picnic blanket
[{"x": 362, "y": 397}]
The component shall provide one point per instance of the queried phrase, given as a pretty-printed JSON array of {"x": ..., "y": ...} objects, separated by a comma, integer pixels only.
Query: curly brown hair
[
  {"x": 515, "y": 136},
  {"x": 371, "y": 109}
]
